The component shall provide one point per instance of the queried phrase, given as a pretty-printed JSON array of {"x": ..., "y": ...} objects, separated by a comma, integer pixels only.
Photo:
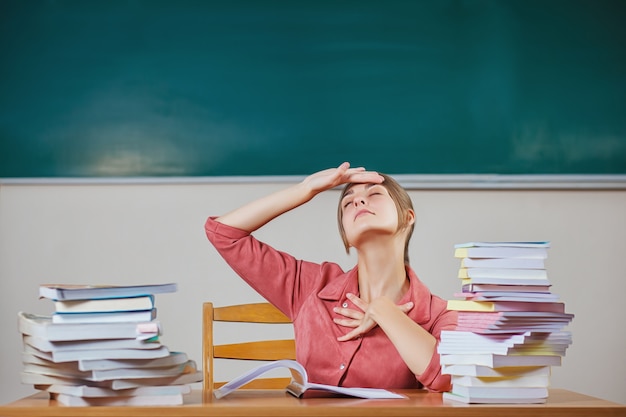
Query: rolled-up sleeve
[
  {"x": 444, "y": 319},
  {"x": 277, "y": 276}
]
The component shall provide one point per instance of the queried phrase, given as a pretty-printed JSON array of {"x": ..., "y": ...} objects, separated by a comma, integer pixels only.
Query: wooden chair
[{"x": 266, "y": 350}]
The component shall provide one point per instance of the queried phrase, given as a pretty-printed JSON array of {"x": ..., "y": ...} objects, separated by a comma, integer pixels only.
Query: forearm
[
  {"x": 415, "y": 345},
  {"x": 255, "y": 214}
]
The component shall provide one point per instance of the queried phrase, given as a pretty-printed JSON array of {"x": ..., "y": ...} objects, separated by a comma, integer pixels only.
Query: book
[
  {"x": 539, "y": 349},
  {"x": 500, "y": 244},
  {"x": 102, "y": 344},
  {"x": 453, "y": 338},
  {"x": 511, "y": 317},
  {"x": 486, "y": 371},
  {"x": 508, "y": 331},
  {"x": 188, "y": 377},
  {"x": 500, "y": 361},
  {"x": 97, "y": 392},
  {"x": 95, "y": 354},
  {"x": 174, "y": 358},
  {"x": 109, "y": 374},
  {"x": 508, "y": 296},
  {"x": 501, "y": 252},
  {"x": 105, "y": 317},
  {"x": 489, "y": 306},
  {"x": 299, "y": 384},
  {"x": 555, "y": 343},
  {"x": 516, "y": 263},
  {"x": 505, "y": 281},
  {"x": 103, "y": 305},
  {"x": 504, "y": 392},
  {"x": 511, "y": 321},
  {"x": 136, "y": 400},
  {"x": 450, "y": 396},
  {"x": 502, "y": 273},
  {"x": 474, "y": 287},
  {"x": 42, "y": 327},
  {"x": 85, "y": 291},
  {"x": 502, "y": 381}
]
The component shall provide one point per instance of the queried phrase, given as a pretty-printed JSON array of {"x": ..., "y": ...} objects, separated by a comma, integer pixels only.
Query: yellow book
[{"x": 467, "y": 305}]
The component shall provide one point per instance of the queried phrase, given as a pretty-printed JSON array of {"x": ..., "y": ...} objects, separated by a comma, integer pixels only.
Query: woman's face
[{"x": 368, "y": 209}]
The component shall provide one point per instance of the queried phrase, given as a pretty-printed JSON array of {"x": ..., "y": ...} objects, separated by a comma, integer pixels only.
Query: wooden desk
[{"x": 277, "y": 403}]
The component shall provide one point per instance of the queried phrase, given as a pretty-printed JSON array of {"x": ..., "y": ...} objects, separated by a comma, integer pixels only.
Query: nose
[{"x": 359, "y": 200}]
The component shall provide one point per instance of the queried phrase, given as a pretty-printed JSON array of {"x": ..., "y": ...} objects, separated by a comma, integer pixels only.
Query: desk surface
[{"x": 277, "y": 403}]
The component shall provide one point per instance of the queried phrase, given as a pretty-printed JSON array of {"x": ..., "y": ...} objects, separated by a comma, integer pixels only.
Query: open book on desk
[{"x": 299, "y": 383}]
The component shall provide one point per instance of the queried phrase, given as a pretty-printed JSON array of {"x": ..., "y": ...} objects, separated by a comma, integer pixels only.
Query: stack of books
[
  {"x": 101, "y": 346},
  {"x": 510, "y": 326}
]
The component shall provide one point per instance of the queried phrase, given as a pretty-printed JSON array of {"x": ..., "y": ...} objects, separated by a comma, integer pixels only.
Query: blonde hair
[{"x": 403, "y": 204}]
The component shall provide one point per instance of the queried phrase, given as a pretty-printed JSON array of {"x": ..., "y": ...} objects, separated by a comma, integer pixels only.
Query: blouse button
[
  {"x": 345, "y": 305},
  {"x": 343, "y": 365}
]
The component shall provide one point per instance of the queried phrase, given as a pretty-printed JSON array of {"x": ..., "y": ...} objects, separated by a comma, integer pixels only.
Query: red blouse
[{"x": 307, "y": 292}]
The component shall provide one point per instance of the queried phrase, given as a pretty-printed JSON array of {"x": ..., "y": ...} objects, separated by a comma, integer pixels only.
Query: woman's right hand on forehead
[{"x": 343, "y": 174}]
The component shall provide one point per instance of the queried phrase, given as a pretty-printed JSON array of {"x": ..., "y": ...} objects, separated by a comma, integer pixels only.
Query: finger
[
  {"x": 343, "y": 168},
  {"x": 350, "y": 335},
  {"x": 348, "y": 312},
  {"x": 357, "y": 301},
  {"x": 346, "y": 322},
  {"x": 405, "y": 308},
  {"x": 366, "y": 176}
]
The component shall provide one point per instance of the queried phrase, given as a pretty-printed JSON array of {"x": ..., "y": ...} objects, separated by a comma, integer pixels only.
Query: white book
[
  {"x": 501, "y": 252},
  {"x": 502, "y": 382},
  {"x": 511, "y": 244},
  {"x": 95, "y": 354},
  {"x": 190, "y": 377},
  {"x": 517, "y": 263},
  {"x": 86, "y": 291},
  {"x": 105, "y": 305},
  {"x": 471, "y": 339},
  {"x": 103, "y": 344},
  {"x": 485, "y": 371},
  {"x": 95, "y": 392},
  {"x": 174, "y": 358},
  {"x": 559, "y": 350},
  {"x": 506, "y": 281},
  {"x": 508, "y": 296},
  {"x": 138, "y": 400},
  {"x": 299, "y": 384},
  {"x": 43, "y": 379},
  {"x": 110, "y": 374},
  {"x": 449, "y": 396},
  {"x": 502, "y": 273},
  {"x": 499, "y": 361},
  {"x": 509, "y": 393},
  {"x": 42, "y": 327},
  {"x": 106, "y": 317}
]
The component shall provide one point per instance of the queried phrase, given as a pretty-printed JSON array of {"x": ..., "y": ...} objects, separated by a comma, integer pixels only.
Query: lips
[{"x": 361, "y": 212}]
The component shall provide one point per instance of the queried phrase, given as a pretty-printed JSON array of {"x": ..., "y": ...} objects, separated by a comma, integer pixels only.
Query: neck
[{"x": 382, "y": 272}]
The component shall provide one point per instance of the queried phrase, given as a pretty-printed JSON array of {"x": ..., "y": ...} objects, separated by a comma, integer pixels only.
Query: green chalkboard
[{"x": 118, "y": 88}]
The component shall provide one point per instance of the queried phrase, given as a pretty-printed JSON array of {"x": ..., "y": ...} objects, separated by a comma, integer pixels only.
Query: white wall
[{"x": 143, "y": 233}]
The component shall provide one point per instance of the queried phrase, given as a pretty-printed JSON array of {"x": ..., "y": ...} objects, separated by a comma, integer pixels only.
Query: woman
[{"x": 376, "y": 325}]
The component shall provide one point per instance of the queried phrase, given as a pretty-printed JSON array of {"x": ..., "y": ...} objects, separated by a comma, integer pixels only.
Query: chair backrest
[{"x": 266, "y": 350}]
